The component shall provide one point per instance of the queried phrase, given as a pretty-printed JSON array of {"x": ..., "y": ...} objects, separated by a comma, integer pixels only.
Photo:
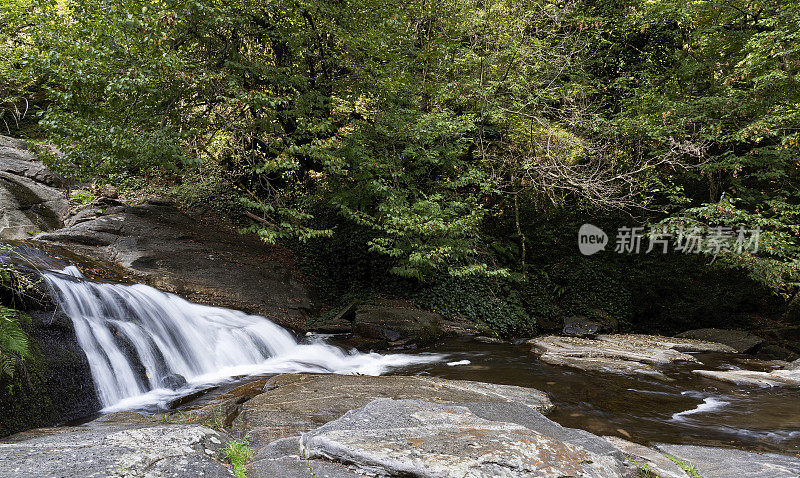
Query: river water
[{"x": 685, "y": 409}]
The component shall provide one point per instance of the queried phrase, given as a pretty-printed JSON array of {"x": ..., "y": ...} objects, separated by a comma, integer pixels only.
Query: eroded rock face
[
  {"x": 416, "y": 438},
  {"x": 16, "y": 158},
  {"x": 57, "y": 384},
  {"x": 293, "y": 403},
  {"x": 620, "y": 353},
  {"x": 196, "y": 258},
  {"x": 125, "y": 445},
  {"x": 29, "y": 199}
]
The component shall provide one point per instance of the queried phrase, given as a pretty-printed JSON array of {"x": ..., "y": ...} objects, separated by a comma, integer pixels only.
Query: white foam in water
[
  {"x": 709, "y": 404},
  {"x": 460, "y": 362},
  {"x": 165, "y": 334}
]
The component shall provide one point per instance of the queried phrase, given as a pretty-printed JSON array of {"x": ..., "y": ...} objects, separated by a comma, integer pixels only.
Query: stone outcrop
[
  {"x": 284, "y": 458},
  {"x": 305, "y": 426},
  {"x": 337, "y": 426},
  {"x": 194, "y": 257},
  {"x": 641, "y": 354},
  {"x": 775, "y": 378},
  {"x": 30, "y": 200},
  {"x": 388, "y": 324},
  {"x": 55, "y": 384},
  {"x": 294, "y": 403},
  {"x": 120, "y": 445},
  {"x": 423, "y": 439},
  {"x": 581, "y": 326},
  {"x": 649, "y": 459},
  {"x": 393, "y": 324}
]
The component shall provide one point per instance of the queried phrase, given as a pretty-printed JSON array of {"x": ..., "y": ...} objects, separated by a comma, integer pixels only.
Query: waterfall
[{"x": 134, "y": 336}]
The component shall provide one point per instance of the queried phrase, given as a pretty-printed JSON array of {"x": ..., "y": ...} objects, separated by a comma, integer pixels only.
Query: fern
[
  {"x": 13, "y": 341},
  {"x": 14, "y": 346}
]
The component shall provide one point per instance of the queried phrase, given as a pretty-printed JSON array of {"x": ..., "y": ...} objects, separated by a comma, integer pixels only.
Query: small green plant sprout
[
  {"x": 239, "y": 453},
  {"x": 686, "y": 467}
]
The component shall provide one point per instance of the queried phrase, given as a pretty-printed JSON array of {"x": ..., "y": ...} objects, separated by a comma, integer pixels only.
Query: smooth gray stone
[
  {"x": 297, "y": 467},
  {"x": 713, "y": 462},
  {"x": 423, "y": 439},
  {"x": 652, "y": 460},
  {"x": 115, "y": 449}
]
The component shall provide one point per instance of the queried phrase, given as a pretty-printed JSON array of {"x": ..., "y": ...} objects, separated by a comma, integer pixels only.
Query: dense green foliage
[
  {"x": 717, "y": 81},
  {"x": 464, "y": 140},
  {"x": 652, "y": 294}
]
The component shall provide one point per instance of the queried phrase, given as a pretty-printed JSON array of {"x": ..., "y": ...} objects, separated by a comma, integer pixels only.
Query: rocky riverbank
[{"x": 353, "y": 426}]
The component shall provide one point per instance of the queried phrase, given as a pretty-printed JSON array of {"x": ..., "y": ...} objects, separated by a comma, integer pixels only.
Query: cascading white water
[{"x": 127, "y": 329}]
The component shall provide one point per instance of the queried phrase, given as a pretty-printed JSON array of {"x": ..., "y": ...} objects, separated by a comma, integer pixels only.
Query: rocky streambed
[
  {"x": 355, "y": 426},
  {"x": 487, "y": 409}
]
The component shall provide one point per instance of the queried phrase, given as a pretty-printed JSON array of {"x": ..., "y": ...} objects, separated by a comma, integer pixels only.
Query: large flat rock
[
  {"x": 294, "y": 403},
  {"x": 128, "y": 447},
  {"x": 776, "y": 378},
  {"x": 423, "y": 439},
  {"x": 620, "y": 353},
  {"x": 658, "y": 342},
  {"x": 195, "y": 257},
  {"x": 713, "y": 462}
]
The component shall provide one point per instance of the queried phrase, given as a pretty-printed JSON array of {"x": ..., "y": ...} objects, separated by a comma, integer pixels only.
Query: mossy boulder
[
  {"x": 54, "y": 383},
  {"x": 52, "y": 386}
]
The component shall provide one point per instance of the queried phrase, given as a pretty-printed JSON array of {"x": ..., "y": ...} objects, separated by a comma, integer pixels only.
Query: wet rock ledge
[
  {"x": 649, "y": 354},
  {"x": 621, "y": 353}
]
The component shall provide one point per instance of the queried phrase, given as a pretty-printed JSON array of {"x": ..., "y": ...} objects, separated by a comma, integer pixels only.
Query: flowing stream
[
  {"x": 684, "y": 408},
  {"x": 135, "y": 336}
]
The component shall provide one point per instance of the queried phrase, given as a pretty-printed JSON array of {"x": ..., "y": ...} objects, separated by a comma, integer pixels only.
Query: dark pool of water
[{"x": 686, "y": 409}]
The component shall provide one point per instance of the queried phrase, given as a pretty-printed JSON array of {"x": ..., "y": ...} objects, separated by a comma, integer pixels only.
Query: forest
[
  {"x": 394, "y": 238},
  {"x": 444, "y": 151}
]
